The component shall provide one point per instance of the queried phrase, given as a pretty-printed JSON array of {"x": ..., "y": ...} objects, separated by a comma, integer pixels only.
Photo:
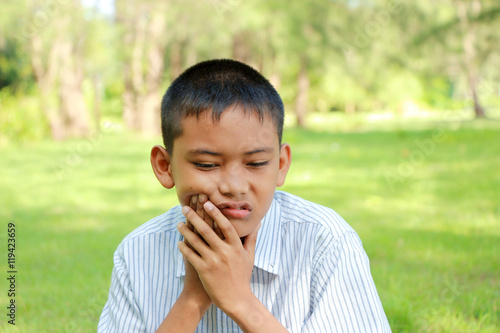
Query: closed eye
[
  {"x": 258, "y": 164},
  {"x": 205, "y": 165}
]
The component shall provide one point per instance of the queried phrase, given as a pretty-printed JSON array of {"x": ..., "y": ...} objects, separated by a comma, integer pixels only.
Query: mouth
[{"x": 235, "y": 210}]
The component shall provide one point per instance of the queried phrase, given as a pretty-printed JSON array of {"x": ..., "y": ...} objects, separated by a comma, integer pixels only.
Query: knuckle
[
  {"x": 225, "y": 227},
  {"x": 182, "y": 227},
  {"x": 215, "y": 214},
  {"x": 204, "y": 229},
  {"x": 191, "y": 213}
]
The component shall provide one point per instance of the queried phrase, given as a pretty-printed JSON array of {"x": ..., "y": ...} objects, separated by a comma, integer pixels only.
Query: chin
[
  {"x": 243, "y": 233},
  {"x": 243, "y": 230}
]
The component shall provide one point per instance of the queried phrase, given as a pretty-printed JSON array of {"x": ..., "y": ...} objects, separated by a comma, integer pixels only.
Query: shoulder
[
  {"x": 299, "y": 211},
  {"x": 316, "y": 231}
]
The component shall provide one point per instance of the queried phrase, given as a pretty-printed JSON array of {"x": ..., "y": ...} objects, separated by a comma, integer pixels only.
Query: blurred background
[
  {"x": 70, "y": 65},
  {"x": 392, "y": 111}
]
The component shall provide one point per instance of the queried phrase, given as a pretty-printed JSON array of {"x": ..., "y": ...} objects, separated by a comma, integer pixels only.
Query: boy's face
[{"x": 237, "y": 162}]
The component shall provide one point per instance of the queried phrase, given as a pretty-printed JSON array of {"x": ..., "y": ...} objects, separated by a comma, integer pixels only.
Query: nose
[{"x": 233, "y": 182}]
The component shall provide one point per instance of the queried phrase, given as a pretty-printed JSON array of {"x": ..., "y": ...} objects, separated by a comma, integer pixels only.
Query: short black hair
[{"x": 216, "y": 85}]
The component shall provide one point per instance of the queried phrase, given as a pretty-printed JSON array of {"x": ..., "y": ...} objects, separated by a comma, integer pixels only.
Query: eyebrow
[{"x": 208, "y": 152}]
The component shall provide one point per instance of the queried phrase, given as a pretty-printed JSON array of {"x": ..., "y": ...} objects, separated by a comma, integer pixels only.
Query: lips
[{"x": 235, "y": 210}]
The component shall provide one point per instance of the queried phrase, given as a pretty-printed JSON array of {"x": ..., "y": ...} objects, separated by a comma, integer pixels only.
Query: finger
[
  {"x": 193, "y": 201},
  {"x": 217, "y": 230},
  {"x": 192, "y": 204},
  {"x": 202, "y": 198},
  {"x": 198, "y": 208},
  {"x": 195, "y": 205},
  {"x": 227, "y": 230},
  {"x": 192, "y": 240},
  {"x": 203, "y": 229},
  {"x": 189, "y": 254}
]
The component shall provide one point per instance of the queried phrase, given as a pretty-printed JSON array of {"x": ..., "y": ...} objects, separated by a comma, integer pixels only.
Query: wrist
[
  {"x": 253, "y": 317},
  {"x": 185, "y": 314},
  {"x": 196, "y": 302},
  {"x": 248, "y": 311}
]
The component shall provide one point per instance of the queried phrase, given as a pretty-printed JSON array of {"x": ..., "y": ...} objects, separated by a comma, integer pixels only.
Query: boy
[{"x": 239, "y": 255}]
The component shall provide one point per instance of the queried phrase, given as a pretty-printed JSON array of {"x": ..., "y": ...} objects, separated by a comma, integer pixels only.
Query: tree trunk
[
  {"x": 478, "y": 109},
  {"x": 175, "y": 60},
  {"x": 145, "y": 28},
  {"x": 350, "y": 108},
  {"x": 274, "y": 77},
  {"x": 241, "y": 51},
  {"x": 57, "y": 64},
  {"x": 469, "y": 58},
  {"x": 72, "y": 101},
  {"x": 135, "y": 24},
  {"x": 302, "y": 95},
  {"x": 191, "y": 56},
  {"x": 152, "y": 101},
  {"x": 97, "y": 88},
  {"x": 45, "y": 73}
]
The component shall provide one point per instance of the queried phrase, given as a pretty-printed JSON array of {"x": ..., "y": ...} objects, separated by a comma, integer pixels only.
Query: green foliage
[
  {"x": 438, "y": 92},
  {"x": 20, "y": 117},
  {"x": 429, "y": 221},
  {"x": 15, "y": 71},
  {"x": 364, "y": 54}
]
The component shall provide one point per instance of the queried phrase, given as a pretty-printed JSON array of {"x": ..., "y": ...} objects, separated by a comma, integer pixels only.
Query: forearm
[
  {"x": 184, "y": 316},
  {"x": 252, "y": 316}
]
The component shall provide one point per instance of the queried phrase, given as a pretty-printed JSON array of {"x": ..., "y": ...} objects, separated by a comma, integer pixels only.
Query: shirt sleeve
[
  {"x": 121, "y": 312},
  {"x": 343, "y": 294}
]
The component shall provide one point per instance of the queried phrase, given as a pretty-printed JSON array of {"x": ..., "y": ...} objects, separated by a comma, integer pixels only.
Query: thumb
[{"x": 251, "y": 240}]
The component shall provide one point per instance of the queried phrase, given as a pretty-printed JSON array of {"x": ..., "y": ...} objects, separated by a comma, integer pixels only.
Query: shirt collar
[{"x": 267, "y": 249}]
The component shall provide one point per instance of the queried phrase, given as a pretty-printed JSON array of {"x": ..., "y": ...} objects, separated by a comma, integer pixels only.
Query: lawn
[{"x": 424, "y": 198}]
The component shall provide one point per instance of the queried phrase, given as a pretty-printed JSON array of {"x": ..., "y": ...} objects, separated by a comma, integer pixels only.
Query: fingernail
[
  {"x": 185, "y": 209},
  {"x": 202, "y": 198},
  {"x": 179, "y": 225},
  {"x": 208, "y": 205},
  {"x": 193, "y": 199}
]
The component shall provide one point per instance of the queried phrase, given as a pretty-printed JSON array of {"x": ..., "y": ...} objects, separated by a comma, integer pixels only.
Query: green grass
[{"x": 430, "y": 222}]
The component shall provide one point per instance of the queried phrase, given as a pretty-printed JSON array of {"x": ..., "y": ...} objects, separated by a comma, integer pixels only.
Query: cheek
[{"x": 192, "y": 183}]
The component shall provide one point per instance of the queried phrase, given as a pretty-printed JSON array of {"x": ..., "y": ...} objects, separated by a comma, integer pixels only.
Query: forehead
[{"x": 236, "y": 130}]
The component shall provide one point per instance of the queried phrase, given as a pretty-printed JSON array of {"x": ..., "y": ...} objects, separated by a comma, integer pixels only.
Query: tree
[
  {"x": 53, "y": 36},
  {"x": 143, "y": 36},
  {"x": 462, "y": 37}
]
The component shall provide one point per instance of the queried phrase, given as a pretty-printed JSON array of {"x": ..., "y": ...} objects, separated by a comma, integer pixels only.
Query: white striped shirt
[{"x": 310, "y": 271}]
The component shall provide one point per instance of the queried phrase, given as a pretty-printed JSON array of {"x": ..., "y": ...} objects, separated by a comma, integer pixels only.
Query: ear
[
  {"x": 160, "y": 161},
  {"x": 285, "y": 161}
]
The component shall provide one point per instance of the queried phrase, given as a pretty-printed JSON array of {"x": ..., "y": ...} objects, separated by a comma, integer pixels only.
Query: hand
[
  {"x": 192, "y": 285},
  {"x": 193, "y": 301},
  {"x": 196, "y": 204},
  {"x": 224, "y": 264}
]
